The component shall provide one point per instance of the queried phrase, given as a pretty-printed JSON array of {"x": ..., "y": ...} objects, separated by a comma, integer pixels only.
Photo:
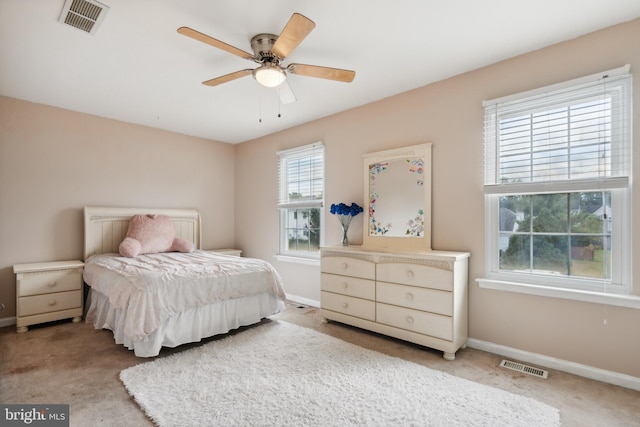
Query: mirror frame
[{"x": 398, "y": 243}]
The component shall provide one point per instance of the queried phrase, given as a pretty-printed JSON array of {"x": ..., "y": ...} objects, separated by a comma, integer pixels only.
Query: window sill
[
  {"x": 629, "y": 301},
  {"x": 298, "y": 260}
]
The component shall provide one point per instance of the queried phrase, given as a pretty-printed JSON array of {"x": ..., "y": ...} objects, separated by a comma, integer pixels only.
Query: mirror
[{"x": 397, "y": 198}]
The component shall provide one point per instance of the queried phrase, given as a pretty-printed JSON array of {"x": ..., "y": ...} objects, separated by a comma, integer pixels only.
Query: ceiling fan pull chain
[{"x": 279, "y": 103}]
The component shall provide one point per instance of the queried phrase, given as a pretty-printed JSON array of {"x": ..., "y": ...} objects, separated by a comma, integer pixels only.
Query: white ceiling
[{"x": 136, "y": 68}]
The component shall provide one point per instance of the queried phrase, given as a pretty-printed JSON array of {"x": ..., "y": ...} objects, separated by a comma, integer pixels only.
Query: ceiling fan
[{"x": 269, "y": 50}]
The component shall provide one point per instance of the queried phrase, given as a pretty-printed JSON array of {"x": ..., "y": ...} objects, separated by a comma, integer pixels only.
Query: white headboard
[{"x": 105, "y": 228}]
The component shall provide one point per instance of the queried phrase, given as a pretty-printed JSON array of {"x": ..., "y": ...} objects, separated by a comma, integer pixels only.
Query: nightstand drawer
[
  {"x": 356, "y": 307},
  {"x": 38, "y": 304},
  {"x": 435, "y": 301},
  {"x": 348, "y": 267},
  {"x": 49, "y": 282},
  {"x": 353, "y": 286},
  {"x": 431, "y": 324}
]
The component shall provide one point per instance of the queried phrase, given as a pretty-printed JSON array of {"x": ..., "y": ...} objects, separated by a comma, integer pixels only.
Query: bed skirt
[{"x": 191, "y": 325}]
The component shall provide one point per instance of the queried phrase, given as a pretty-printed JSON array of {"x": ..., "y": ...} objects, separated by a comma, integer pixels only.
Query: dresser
[
  {"x": 419, "y": 297},
  {"x": 48, "y": 291}
]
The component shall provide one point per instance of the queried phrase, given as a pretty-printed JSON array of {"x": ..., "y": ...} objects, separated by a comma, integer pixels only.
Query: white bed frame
[{"x": 106, "y": 227}]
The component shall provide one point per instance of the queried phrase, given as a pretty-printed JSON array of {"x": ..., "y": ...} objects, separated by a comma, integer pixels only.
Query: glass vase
[{"x": 345, "y": 238}]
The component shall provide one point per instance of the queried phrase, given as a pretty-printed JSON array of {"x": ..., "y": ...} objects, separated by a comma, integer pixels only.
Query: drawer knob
[
  {"x": 51, "y": 284},
  {"x": 409, "y": 296},
  {"x": 345, "y": 305},
  {"x": 52, "y": 303},
  {"x": 410, "y": 273},
  {"x": 410, "y": 320},
  {"x": 345, "y": 265},
  {"x": 345, "y": 285}
]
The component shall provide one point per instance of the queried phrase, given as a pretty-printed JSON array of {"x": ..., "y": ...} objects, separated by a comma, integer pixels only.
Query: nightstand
[
  {"x": 48, "y": 291},
  {"x": 234, "y": 252}
]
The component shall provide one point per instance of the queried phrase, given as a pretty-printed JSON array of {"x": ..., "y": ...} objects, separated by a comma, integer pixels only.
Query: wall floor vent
[
  {"x": 515, "y": 366},
  {"x": 85, "y": 15}
]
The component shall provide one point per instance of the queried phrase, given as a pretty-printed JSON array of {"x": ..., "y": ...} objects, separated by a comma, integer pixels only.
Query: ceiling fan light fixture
[{"x": 269, "y": 75}]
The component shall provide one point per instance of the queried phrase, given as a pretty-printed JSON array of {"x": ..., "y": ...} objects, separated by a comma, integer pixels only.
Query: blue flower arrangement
[{"x": 345, "y": 215}]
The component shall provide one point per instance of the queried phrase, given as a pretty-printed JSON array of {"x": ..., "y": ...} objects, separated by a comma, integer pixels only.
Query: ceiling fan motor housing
[{"x": 261, "y": 45}]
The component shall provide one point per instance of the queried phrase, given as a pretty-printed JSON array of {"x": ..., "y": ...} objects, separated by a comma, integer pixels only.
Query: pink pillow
[
  {"x": 181, "y": 245},
  {"x": 150, "y": 234}
]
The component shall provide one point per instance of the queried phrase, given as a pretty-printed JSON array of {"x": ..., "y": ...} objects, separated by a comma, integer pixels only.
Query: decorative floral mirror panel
[{"x": 398, "y": 198}]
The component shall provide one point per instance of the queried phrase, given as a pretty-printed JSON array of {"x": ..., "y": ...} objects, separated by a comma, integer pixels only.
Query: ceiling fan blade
[
  {"x": 298, "y": 27},
  {"x": 186, "y": 31},
  {"x": 286, "y": 94},
  {"x": 227, "y": 77},
  {"x": 338, "y": 74}
]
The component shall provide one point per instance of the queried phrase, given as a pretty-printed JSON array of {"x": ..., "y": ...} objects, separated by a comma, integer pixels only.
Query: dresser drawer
[
  {"x": 348, "y": 267},
  {"x": 49, "y": 282},
  {"x": 37, "y": 304},
  {"x": 420, "y": 322},
  {"x": 434, "y": 301},
  {"x": 352, "y": 286},
  {"x": 356, "y": 307},
  {"x": 415, "y": 275}
]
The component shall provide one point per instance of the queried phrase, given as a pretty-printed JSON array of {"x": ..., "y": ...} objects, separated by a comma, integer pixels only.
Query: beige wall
[
  {"x": 54, "y": 161},
  {"x": 449, "y": 114}
]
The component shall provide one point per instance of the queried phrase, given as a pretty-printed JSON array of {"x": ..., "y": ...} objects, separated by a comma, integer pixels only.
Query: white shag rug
[{"x": 280, "y": 374}]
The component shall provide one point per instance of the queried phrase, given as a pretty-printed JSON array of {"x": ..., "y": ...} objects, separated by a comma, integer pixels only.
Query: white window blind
[
  {"x": 301, "y": 176},
  {"x": 575, "y": 133}
]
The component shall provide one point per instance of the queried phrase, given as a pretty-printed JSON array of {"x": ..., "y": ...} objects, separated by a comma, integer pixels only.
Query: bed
[{"x": 168, "y": 299}]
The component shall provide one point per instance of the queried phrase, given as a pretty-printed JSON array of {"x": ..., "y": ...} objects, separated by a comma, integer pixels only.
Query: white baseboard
[
  {"x": 590, "y": 372},
  {"x": 305, "y": 301},
  {"x": 7, "y": 321}
]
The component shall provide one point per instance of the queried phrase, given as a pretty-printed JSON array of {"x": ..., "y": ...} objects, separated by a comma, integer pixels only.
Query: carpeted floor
[{"x": 72, "y": 363}]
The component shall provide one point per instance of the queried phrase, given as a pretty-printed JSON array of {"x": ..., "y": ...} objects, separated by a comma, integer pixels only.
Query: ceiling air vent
[{"x": 85, "y": 15}]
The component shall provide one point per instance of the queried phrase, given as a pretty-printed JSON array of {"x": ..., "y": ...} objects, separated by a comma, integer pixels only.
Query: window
[
  {"x": 557, "y": 185},
  {"x": 301, "y": 176}
]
